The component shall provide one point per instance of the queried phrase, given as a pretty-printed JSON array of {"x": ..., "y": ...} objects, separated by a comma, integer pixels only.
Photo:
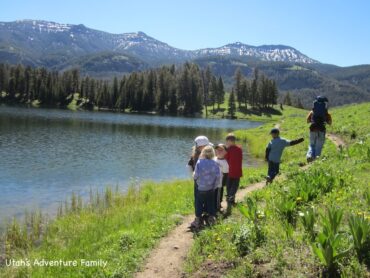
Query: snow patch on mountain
[
  {"x": 275, "y": 53},
  {"x": 86, "y": 40}
]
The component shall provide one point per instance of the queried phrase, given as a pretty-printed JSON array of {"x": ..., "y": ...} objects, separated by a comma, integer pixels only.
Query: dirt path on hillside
[
  {"x": 338, "y": 142},
  {"x": 166, "y": 260}
]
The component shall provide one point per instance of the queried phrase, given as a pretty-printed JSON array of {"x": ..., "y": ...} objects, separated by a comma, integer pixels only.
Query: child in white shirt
[{"x": 224, "y": 168}]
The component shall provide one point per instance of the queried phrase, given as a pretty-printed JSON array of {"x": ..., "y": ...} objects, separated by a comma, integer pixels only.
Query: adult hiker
[
  {"x": 317, "y": 118},
  {"x": 234, "y": 158},
  {"x": 200, "y": 143}
]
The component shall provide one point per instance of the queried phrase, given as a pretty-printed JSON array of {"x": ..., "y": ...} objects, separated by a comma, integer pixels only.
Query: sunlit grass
[{"x": 338, "y": 179}]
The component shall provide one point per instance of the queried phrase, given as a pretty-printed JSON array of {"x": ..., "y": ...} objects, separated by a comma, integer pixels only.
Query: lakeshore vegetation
[{"x": 314, "y": 223}]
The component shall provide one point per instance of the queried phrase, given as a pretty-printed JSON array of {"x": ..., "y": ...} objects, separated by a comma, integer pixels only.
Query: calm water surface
[{"x": 47, "y": 154}]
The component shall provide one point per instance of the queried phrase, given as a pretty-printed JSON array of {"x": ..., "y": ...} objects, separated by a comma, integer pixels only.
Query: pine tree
[
  {"x": 213, "y": 92},
  {"x": 149, "y": 93},
  {"x": 287, "y": 99},
  {"x": 299, "y": 103},
  {"x": 161, "y": 93},
  {"x": 254, "y": 96},
  {"x": 274, "y": 93},
  {"x": 206, "y": 78},
  {"x": 245, "y": 92},
  {"x": 237, "y": 87},
  {"x": 220, "y": 93},
  {"x": 122, "y": 95},
  {"x": 232, "y": 108},
  {"x": 172, "y": 108},
  {"x": 115, "y": 94}
]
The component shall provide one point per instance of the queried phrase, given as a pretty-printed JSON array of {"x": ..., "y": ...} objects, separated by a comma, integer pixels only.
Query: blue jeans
[
  {"x": 273, "y": 169},
  {"x": 317, "y": 140},
  {"x": 205, "y": 202}
]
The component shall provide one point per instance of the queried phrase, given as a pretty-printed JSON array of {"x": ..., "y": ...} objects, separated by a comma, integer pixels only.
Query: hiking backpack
[{"x": 320, "y": 110}]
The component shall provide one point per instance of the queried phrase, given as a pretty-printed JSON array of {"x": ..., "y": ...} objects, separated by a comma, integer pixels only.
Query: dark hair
[
  {"x": 220, "y": 146},
  {"x": 231, "y": 137},
  {"x": 275, "y": 131}
]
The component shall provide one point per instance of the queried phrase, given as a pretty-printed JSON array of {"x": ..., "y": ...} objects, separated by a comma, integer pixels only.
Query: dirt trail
[
  {"x": 167, "y": 259},
  {"x": 339, "y": 142}
]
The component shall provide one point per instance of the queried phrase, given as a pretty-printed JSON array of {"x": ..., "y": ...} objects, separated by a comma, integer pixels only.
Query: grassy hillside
[
  {"x": 264, "y": 115},
  {"x": 307, "y": 225},
  {"x": 123, "y": 228}
]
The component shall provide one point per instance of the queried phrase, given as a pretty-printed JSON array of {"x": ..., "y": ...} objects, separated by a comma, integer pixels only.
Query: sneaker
[
  {"x": 228, "y": 209},
  {"x": 268, "y": 180},
  {"x": 196, "y": 223},
  {"x": 211, "y": 221}
]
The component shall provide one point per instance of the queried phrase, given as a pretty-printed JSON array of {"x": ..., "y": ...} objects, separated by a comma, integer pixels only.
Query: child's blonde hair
[{"x": 208, "y": 153}]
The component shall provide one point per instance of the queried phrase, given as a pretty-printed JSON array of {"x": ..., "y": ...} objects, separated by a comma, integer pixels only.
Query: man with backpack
[{"x": 317, "y": 118}]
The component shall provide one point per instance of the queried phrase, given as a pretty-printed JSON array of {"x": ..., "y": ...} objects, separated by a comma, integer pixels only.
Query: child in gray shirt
[{"x": 274, "y": 152}]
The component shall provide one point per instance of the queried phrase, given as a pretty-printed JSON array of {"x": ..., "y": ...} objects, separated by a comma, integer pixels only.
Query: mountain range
[{"x": 101, "y": 54}]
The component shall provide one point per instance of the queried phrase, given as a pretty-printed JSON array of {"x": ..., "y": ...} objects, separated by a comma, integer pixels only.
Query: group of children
[{"x": 216, "y": 167}]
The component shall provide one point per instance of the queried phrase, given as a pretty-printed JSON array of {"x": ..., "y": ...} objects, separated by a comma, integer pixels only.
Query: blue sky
[{"x": 331, "y": 31}]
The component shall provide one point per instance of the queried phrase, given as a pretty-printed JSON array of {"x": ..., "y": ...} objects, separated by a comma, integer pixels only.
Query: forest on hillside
[{"x": 182, "y": 90}]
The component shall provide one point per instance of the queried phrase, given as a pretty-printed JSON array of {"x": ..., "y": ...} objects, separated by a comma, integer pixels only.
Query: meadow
[{"x": 312, "y": 223}]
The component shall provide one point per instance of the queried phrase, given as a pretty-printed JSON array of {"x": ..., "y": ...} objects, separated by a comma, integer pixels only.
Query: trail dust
[{"x": 167, "y": 259}]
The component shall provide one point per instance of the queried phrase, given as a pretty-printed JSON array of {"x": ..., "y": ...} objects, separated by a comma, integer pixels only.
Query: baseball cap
[{"x": 202, "y": 141}]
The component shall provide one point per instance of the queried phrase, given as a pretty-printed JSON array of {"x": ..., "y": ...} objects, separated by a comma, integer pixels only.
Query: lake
[{"x": 46, "y": 154}]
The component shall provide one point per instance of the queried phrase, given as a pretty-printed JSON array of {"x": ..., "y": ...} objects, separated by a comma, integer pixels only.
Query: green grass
[
  {"x": 352, "y": 122},
  {"x": 118, "y": 228},
  {"x": 295, "y": 67},
  {"x": 277, "y": 242},
  {"x": 263, "y": 115}
]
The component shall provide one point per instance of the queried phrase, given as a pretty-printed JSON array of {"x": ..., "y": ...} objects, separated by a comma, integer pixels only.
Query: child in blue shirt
[
  {"x": 274, "y": 152},
  {"x": 207, "y": 176}
]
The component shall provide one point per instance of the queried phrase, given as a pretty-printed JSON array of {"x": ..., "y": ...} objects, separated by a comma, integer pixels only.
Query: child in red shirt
[{"x": 234, "y": 158}]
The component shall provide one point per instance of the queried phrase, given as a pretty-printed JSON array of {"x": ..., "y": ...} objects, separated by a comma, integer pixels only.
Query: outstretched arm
[{"x": 295, "y": 142}]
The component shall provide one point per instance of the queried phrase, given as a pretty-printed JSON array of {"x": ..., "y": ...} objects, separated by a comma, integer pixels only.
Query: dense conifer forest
[{"x": 182, "y": 90}]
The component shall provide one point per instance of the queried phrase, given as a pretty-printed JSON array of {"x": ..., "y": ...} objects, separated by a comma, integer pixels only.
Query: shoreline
[{"x": 211, "y": 116}]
